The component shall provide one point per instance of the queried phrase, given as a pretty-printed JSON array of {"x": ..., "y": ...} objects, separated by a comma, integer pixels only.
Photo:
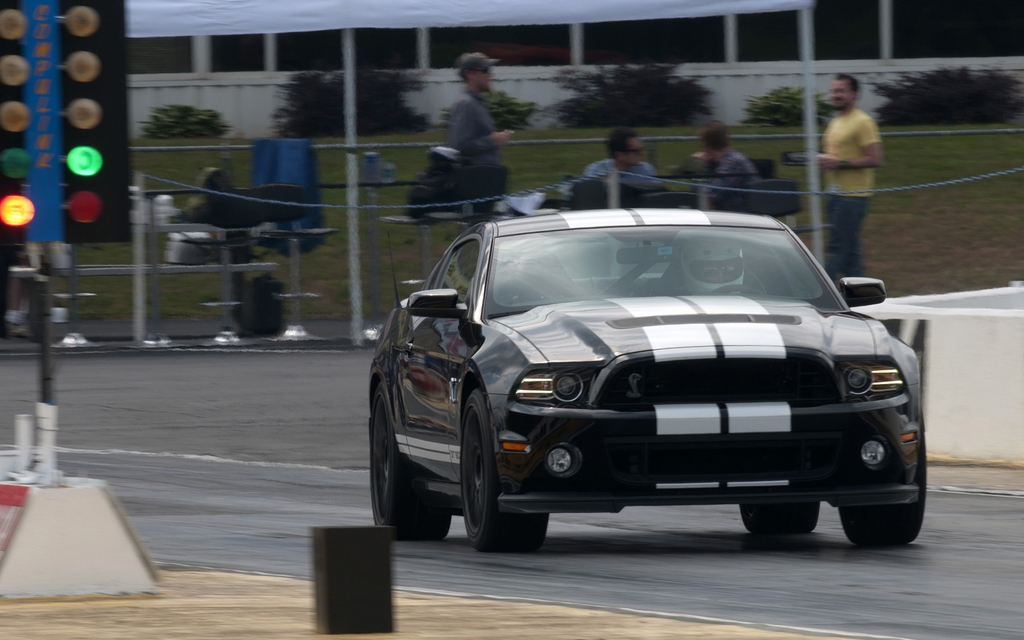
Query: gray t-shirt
[{"x": 469, "y": 130}]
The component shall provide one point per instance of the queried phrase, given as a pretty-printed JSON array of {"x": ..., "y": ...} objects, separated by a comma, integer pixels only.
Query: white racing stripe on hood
[
  {"x": 743, "y": 340},
  {"x": 759, "y": 417},
  {"x": 671, "y": 342},
  {"x": 674, "y": 217},
  {"x": 688, "y": 419},
  {"x": 594, "y": 219}
]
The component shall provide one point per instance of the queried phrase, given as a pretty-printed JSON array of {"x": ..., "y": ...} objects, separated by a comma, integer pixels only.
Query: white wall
[
  {"x": 973, "y": 369},
  {"x": 248, "y": 100}
]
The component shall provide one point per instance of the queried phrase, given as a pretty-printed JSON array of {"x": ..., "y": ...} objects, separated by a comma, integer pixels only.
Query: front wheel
[
  {"x": 766, "y": 519},
  {"x": 893, "y": 524},
  {"x": 394, "y": 502},
  {"x": 489, "y": 529}
]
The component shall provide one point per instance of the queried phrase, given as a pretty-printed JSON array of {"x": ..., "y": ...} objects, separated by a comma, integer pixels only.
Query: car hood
[{"x": 688, "y": 327}]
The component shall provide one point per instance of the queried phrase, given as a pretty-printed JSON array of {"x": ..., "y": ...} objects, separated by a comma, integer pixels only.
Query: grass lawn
[{"x": 925, "y": 241}]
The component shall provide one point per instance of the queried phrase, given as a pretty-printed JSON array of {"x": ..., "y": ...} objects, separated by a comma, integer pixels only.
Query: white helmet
[{"x": 710, "y": 263}]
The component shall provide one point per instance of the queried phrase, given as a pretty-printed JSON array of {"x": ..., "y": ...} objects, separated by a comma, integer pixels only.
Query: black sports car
[{"x": 590, "y": 361}]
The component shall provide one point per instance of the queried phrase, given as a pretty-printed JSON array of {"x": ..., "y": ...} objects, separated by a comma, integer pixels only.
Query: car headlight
[
  {"x": 870, "y": 380},
  {"x": 553, "y": 387}
]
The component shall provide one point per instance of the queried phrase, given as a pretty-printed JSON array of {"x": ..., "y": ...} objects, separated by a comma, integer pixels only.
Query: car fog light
[
  {"x": 873, "y": 454},
  {"x": 563, "y": 460}
]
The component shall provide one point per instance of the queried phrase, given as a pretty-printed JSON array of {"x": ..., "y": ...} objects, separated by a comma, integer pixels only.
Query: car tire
[
  {"x": 889, "y": 524},
  {"x": 394, "y": 502},
  {"x": 487, "y": 527},
  {"x": 776, "y": 519}
]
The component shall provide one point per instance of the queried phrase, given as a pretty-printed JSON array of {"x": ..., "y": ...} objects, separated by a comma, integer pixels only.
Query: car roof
[{"x": 603, "y": 218}]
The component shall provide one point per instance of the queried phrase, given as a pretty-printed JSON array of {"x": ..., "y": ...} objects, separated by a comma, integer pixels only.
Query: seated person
[
  {"x": 713, "y": 265},
  {"x": 719, "y": 157},
  {"x": 625, "y": 153}
]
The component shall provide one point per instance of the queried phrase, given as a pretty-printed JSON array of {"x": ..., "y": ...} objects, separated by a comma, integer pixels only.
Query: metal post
[
  {"x": 138, "y": 259},
  {"x": 352, "y": 191},
  {"x": 576, "y": 50},
  {"x": 371, "y": 198},
  {"x": 425, "y": 250},
  {"x": 614, "y": 198},
  {"x": 74, "y": 338},
  {"x": 44, "y": 291},
  {"x": 806, "y": 23},
  {"x": 294, "y": 255},
  {"x": 885, "y": 38},
  {"x": 73, "y": 289},
  {"x": 154, "y": 338},
  {"x": 227, "y": 335},
  {"x": 226, "y": 160},
  {"x": 422, "y": 48},
  {"x": 732, "y": 39}
]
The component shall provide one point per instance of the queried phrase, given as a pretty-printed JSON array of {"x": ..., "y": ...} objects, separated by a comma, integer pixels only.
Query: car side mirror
[
  {"x": 436, "y": 303},
  {"x": 859, "y": 292}
]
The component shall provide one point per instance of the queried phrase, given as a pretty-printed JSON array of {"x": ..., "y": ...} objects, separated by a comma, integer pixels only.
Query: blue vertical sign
[{"x": 44, "y": 136}]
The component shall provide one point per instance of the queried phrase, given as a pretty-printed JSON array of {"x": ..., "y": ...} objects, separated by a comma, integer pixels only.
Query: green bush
[
  {"x": 313, "y": 103},
  {"x": 781, "y": 107},
  {"x": 506, "y": 111},
  {"x": 184, "y": 121},
  {"x": 638, "y": 95},
  {"x": 951, "y": 95}
]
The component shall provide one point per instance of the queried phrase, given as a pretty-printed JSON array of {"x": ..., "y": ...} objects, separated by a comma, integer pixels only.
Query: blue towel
[{"x": 289, "y": 161}]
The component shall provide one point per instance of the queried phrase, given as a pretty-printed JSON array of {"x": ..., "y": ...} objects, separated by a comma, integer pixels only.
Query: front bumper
[
  {"x": 586, "y": 502},
  {"x": 627, "y": 462}
]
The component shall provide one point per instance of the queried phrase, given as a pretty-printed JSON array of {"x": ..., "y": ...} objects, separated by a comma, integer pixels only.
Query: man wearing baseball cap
[{"x": 470, "y": 127}]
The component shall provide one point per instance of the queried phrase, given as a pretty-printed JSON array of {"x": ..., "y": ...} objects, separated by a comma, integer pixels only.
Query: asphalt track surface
[{"x": 225, "y": 460}]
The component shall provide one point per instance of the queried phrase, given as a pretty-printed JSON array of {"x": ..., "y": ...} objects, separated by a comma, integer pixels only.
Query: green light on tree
[{"x": 84, "y": 161}]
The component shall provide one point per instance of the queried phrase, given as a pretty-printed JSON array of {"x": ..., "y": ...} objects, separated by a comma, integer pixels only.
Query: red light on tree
[
  {"x": 16, "y": 211},
  {"x": 84, "y": 206}
]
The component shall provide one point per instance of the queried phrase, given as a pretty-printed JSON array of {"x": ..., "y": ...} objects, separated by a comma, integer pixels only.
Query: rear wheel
[
  {"x": 801, "y": 517},
  {"x": 889, "y": 524},
  {"x": 394, "y": 502},
  {"x": 489, "y": 529}
]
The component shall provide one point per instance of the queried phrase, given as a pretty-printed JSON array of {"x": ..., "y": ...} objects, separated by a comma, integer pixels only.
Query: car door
[{"x": 432, "y": 359}]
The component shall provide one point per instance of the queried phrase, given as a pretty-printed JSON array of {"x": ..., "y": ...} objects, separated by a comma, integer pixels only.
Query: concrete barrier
[{"x": 971, "y": 346}]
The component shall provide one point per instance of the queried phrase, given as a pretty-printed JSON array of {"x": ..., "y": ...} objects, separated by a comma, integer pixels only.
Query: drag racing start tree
[
  {"x": 64, "y": 120},
  {"x": 16, "y": 211}
]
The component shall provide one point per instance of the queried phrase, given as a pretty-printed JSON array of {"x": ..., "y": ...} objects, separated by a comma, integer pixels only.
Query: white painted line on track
[
  {"x": 969, "y": 491},
  {"x": 659, "y": 614},
  {"x": 206, "y": 458},
  {"x": 643, "y": 612}
]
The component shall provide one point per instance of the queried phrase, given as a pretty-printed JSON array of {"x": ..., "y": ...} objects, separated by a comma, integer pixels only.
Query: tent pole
[
  {"x": 806, "y": 19},
  {"x": 355, "y": 287}
]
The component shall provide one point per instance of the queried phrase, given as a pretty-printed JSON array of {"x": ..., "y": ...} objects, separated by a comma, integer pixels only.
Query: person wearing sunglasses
[
  {"x": 625, "y": 153},
  {"x": 471, "y": 129}
]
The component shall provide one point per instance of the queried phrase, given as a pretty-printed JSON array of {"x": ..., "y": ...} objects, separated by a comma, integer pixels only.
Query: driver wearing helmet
[{"x": 713, "y": 264}]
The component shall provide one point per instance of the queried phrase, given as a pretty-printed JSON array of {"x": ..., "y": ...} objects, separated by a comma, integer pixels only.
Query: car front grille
[
  {"x": 720, "y": 380},
  {"x": 724, "y": 458}
]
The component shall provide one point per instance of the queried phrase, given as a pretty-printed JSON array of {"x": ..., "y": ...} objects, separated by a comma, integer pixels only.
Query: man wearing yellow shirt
[{"x": 853, "y": 149}]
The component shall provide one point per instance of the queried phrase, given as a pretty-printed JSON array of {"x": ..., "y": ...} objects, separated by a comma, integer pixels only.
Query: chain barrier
[
  {"x": 912, "y": 187},
  {"x": 572, "y": 181},
  {"x": 459, "y": 203}
]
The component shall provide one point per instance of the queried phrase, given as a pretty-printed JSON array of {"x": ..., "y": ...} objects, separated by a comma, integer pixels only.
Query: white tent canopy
[{"x": 153, "y": 18}]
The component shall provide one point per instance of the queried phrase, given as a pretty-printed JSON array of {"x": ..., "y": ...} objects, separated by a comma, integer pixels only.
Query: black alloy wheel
[
  {"x": 780, "y": 519},
  {"x": 889, "y": 524},
  {"x": 394, "y": 502},
  {"x": 489, "y": 529}
]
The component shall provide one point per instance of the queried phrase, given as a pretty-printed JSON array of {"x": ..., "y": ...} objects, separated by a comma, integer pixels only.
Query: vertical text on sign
[{"x": 44, "y": 135}]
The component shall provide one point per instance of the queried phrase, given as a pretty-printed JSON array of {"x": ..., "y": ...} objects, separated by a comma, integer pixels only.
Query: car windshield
[{"x": 591, "y": 264}]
